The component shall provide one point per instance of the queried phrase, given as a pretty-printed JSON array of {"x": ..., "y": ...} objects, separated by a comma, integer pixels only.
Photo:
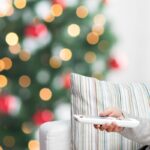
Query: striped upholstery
[{"x": 91, "y": 96}]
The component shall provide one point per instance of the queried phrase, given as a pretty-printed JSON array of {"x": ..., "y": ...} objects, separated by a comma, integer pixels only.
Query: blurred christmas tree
[{"x": 41, "y": 42}]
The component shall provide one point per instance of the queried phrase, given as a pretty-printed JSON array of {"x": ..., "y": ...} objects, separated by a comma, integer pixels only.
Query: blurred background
[
  {"x": 43, "y": 41},
  {"x": 131, "y": 22}
]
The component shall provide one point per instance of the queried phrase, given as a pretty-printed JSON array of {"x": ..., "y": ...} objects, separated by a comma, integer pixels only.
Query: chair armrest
[{"x": 55, "y": 135}]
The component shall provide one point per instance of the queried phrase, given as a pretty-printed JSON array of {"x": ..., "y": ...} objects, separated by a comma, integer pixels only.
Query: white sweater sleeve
[{"x": 139, "y": 134}]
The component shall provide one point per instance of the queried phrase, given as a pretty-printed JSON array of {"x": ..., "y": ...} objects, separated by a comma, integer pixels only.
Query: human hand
[{"x": 113, "y": 127}]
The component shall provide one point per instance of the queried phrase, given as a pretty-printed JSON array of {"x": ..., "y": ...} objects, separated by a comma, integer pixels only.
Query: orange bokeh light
[{"x": 45, "y": 94}]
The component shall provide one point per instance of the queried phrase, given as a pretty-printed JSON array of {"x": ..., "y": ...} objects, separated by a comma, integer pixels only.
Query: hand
[{"x": 110, "y": 112}]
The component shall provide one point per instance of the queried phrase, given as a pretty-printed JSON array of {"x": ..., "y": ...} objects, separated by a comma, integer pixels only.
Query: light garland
[
  {"x": 73, "y": 30},
  {"x": 82, "y": 12},
  {"x": 92, "y": 38},
  {"x": 45, "y": 94},
  {"x": 12, "y": 38},
  {"x": 56, "y": 10},
  {"x": 20, "y": 4},
  {"x": 24, "y": 81},
  {"x": 65, "y": 54},
  {"x": 3, "y": 81}
]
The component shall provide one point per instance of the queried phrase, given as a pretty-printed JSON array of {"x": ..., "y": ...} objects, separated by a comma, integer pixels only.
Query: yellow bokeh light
[
  {"x": 15, "y": 49},
  {"x": 49, "y": 18},
  {"x": 65, "y": 54},
  {"x": 73, "y": 30},
  {"x": 8, "y": 63},
  {"x": 57, "y": 10},
  {"x": 24, "y": 81},
  {"x": 99, "y": 19},
  {"x": 90, "y": 57},
  {"x": 98, "y": 29},
  {"x": 3, "y": 81},
  {"x": 34, "y": 145},
  {"x": 55, "y": 62},
  {"x": 1, "y": 148},
  {"x": 20, "y": 4},
  {"x": 9, "y": 141},
  {"x": 12, "y": 38},
  {"x": 2, "y": 65},
  {"x": 24, "y": 56},
  {"x": 26, "y": 128},
  {"x": 82, "y": 12},
  {"x": 45, "y": 94},
  {"x": 92, "y": 38}
]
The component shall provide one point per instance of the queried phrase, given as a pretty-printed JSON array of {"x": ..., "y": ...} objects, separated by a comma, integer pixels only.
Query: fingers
[
  {"x": 109, "y": 127},
  {"x": 112, "y": 112},
  {"x": 96, "y": 126},
  {"x": 99, "y": 127},
  {"x": 106, "y": 112}
]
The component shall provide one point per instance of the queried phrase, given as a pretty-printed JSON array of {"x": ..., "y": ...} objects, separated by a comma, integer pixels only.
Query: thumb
[
  {"x": 106, "y": 112},
  {"x": 117, "y": 115}
]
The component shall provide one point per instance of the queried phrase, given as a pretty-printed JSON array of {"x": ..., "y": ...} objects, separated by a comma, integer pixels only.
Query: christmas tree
[{"x": 42, "y": 42}]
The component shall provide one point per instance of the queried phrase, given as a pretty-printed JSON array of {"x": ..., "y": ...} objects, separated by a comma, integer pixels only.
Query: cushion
[{"x": 90, "y": 96}]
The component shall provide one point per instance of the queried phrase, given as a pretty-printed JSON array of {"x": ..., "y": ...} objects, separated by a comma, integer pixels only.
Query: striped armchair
[{"x": 89, "y": 97}]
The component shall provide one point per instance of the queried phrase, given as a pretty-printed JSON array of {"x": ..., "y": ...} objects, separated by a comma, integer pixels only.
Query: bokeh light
[
  {"x": 15, "y": 49},
  {"x": 24, "y": 56},
  {"x": 6, "y": 8},
  {"x": 98, "y": 29},
  {"x": 43, "y": 76},
  {"x": 12, "y": 38},
  {"x": 90, "y": 57},
  {"x": 65, "y": 54},
  {"x": 20, "y": 4},
  {"x": 24, "y": 81},
  {"x": 92, "y": 38},
  {"x": 73, "y": 30},
  {"x": 45, "y": 94},
  {"x": 9, "y": 141},
  {"x": 57, "y": 10},
  {"x": 8, "y": 63},
  {"x": 49, "y": 18},
  {"x": 3, "y": 81},
  {"x": 26, "y": 128},
  {"x": 34, "y": 145},
  {"x": 99, "y": 19},
  {"x": 55, "y": 62},
  {"x": 82, "y": 12},
  {"x": 42, "y": 8},
  {"x": 1, "y": 148}
]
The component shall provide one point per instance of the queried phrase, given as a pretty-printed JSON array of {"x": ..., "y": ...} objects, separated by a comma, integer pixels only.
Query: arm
[{"x": 139, "y": 134}]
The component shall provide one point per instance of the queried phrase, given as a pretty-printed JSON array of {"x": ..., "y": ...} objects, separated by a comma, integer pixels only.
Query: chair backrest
[{"x": 55, "y": 135}]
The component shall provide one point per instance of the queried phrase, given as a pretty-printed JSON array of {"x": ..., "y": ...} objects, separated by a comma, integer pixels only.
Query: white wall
[{"x": 131, "y": 23}]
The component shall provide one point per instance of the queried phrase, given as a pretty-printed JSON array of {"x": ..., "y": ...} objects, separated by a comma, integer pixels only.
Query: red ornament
[
  {"x": 60, "y": 2},
  {"x": 9, "y": 104},
  {"x": 114, "y": 63},
  {"x": 67, "y": 82},
  {"x": 42, "y": 116},
  {"x": 37, "y": 30}
]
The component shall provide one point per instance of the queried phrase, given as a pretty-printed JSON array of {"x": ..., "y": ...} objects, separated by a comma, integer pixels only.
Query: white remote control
[{"x": 127, "y": 122}]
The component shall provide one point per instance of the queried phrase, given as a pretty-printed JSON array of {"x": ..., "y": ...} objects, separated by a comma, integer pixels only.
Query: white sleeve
[{"x": 139, "y": 134}]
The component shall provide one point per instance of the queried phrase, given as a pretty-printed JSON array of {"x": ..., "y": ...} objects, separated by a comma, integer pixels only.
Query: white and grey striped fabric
[{"x": 91, "y": 96}]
